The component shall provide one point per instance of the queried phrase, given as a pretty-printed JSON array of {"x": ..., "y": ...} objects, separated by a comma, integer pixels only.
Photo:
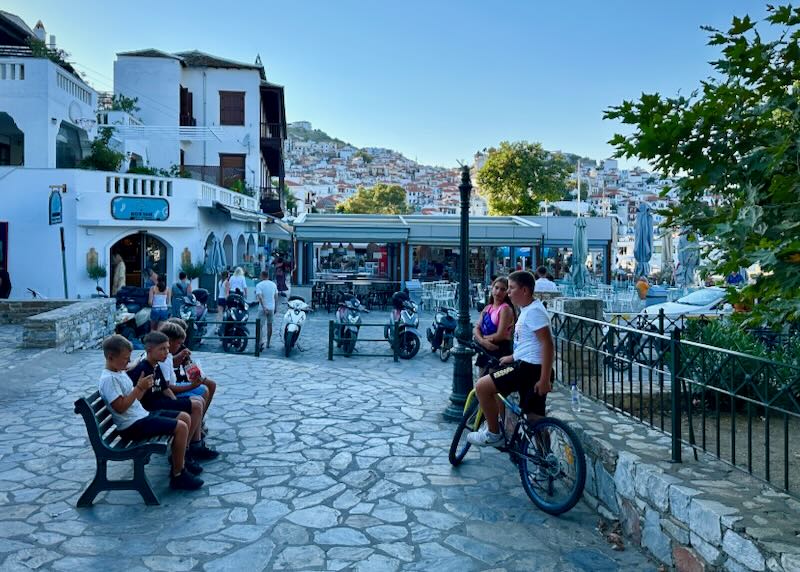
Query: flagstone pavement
[{"x": 336, "y": 465}]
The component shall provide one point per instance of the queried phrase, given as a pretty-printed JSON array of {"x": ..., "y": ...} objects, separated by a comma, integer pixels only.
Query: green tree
[
  {"x": 380, "y": 199},
  {"x": 102, "y": 157},
  {"x": 516, "y": 177},
  {"x": 735, "y": 143},
  {"x": 291, "y": 200}
]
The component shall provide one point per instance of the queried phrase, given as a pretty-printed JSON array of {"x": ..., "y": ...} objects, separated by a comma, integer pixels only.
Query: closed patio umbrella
[
  {"x": 580, "y": 249},
  {"x": 214, "y": 257},
  {"x": 688, "y": 259},
  {"x": 667, "y": 265},
  {"x": 643, "y": 240}
]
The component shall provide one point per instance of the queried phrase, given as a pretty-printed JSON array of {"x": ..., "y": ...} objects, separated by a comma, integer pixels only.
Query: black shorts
[
  {"x": 157, "y": 423},
  {"x": 165, "y": 403},
  {"x": 521, "y": 376}
]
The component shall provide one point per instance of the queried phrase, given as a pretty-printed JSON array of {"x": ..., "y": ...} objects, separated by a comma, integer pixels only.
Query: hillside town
[{"x": 322, "y": 172}]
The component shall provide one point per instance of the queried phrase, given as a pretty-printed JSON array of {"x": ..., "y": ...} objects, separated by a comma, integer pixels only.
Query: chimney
[
  {"x": 38, "y": 30},
  {"x": 52, "y": 42}
]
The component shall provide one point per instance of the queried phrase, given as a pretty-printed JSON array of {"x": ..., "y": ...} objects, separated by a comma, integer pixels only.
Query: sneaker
[
  {"x": 185, "y": 481},
  {"x": 190, "y": 465},
  {"x": 483, "y": 438},
  {"x": 203, "y": 453}
]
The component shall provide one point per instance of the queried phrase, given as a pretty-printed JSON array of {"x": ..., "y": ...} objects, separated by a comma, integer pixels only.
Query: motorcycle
[
  {"x": 234, "y": 324},
  {"x": 405, "y": 321},
  {"x": 125, "y": 322},
  {"x": 348, "y": 316},
  {"x": 194, "y": 312},
  {"x": 293, "y": 321},
  {"x": 441, "y": 333}
]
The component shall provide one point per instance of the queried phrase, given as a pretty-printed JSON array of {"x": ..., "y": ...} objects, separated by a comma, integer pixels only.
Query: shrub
[
  {"x": 193, "y": 270},
  {"x": 102, "y": 157}
]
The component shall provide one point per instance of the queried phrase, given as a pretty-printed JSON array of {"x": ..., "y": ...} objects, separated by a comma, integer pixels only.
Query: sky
[{"x": 436, "y": 80}]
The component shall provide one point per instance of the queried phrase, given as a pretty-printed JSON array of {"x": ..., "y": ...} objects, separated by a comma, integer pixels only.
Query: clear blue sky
[{"x": 435, "y": 80}]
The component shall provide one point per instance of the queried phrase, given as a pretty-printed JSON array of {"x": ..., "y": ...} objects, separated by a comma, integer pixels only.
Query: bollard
[
  {"x": 675, "y": 348},
  {"x": 330, "y": 339},
  {"x": 258, "y": 337}
]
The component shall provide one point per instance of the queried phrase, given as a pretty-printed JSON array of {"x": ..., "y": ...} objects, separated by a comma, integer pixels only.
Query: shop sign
[
  {"x": 55, "y": 207},
  {"x": 139, "y": 208}
]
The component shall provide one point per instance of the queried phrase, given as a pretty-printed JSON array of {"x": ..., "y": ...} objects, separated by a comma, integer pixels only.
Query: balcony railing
[
  {"x": 271, "y": 201},
  {"x": 221, "y": 176},
  {"x": 271, "y": 130}
]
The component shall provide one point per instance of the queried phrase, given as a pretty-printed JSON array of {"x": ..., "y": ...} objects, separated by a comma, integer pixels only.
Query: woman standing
[
  {"x": 495, "y": 325},
  {"x": 280, "y": 275},
  {"x": 237, "y": 282},
  {"x": 118, "y": 280},
  {"x": 159, "y": 300}
]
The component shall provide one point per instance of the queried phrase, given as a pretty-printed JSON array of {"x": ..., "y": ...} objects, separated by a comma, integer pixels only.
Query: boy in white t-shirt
[
  {"x": 528, "y": 370},
  {"x": 133, "y": 421}
]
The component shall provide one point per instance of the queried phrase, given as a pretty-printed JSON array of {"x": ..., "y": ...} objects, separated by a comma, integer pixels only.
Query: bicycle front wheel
[
  {"x": 469, "y": 422},
  {"x": 552, "y": 465}
]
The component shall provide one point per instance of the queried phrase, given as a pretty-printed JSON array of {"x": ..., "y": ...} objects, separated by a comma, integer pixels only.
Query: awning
[{"x": 241, "y": 214}]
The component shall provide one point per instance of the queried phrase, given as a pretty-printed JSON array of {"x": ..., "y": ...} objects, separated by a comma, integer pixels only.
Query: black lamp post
[{"x": 462, "y": 364}]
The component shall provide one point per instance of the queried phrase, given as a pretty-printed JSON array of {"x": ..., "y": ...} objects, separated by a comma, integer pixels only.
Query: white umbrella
[
  {"x": 643, "y": 240},
  {"x": 667, "y": 265}
]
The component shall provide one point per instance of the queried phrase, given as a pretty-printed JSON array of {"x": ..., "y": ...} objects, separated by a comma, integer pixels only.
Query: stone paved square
[{"x": 336, "y": 465}]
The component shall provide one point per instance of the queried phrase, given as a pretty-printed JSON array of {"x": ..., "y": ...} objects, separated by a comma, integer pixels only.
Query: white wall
[
  {"x": 46, "y": 93},
  {"x": 206, "y": 110},
  {"x": 156, "y": 84},
  {"x": 34, "y": 247}
]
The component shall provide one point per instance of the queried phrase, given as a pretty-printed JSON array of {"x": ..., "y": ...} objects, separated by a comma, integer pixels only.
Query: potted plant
[
  {"x": 96, "y": 272},
  {"x": 193, "y": 271}
]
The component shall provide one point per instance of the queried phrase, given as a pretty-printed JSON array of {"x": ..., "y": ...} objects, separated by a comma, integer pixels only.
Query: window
[{"x": 231, "y": 108}]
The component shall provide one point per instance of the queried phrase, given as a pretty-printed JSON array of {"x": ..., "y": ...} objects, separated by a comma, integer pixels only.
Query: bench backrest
[{"x": 97, "y": 418}]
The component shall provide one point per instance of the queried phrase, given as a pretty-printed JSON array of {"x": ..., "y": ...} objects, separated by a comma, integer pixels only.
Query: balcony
[
  {"x": 221, "y": 176},
  {"x": 272, "y": 137},
  {"x": 271, "y": 201}
]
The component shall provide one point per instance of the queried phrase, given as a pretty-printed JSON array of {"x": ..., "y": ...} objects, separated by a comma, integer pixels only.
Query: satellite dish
[{"x": 75, "y": 112}]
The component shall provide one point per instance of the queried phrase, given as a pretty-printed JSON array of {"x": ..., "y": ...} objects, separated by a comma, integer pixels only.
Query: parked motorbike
[
  {"x": 348, "y": 316},
  {"x": 442, "y": 332},
  {"x": 194, "y": 311},
  {"x": 234, "y": 324},
  {"x": 126, "y": 323},
  {"x": 293, "y": 321},
  {"x": 405, "y": 321}
]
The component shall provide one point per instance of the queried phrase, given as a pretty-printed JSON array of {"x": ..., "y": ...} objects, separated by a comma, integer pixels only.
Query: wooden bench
[{"x": 109, "y": 446}]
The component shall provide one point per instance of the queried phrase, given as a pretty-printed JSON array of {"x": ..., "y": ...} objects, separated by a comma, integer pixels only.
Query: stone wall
[
  {"x": 79, "y": 325},
  {"x": 693, "y": 516},
  {"x": 578, "y": 360},
  {"x": 16, "y": 311}
]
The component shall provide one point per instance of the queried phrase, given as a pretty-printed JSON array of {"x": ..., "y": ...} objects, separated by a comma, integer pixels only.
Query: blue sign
[
  {"x": 55, "y": 210},
  {"x": 139, "y": 208}
]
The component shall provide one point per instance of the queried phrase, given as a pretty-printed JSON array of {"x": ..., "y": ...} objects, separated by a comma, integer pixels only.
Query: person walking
[
  {"x": 267, "y": 296},
  {"x": 181, "y": 288},
  {"x": 280, "y": 275},
  {"x": 118, "y": 280},
  {"x": 237, "y": 282}
]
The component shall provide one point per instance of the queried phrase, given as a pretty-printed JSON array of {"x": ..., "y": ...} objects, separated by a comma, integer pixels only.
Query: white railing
[
  {"x": 73, "y": 88},
  {"x": 141, "y": 185},
  {"x": 228, "y": 198}
]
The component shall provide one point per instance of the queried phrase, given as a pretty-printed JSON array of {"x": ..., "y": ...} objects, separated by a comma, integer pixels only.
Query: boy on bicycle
[{"x": 527, "y": 371}]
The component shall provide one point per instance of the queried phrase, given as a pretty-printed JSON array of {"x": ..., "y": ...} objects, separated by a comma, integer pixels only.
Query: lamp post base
[{"x": 462, "y": 383}]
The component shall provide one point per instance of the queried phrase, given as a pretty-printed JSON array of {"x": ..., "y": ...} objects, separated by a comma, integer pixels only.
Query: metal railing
[
  {"x": 742, "y": 409},
  {"x": 192, "y": 337},
  {"x": 335, "y": 340}
]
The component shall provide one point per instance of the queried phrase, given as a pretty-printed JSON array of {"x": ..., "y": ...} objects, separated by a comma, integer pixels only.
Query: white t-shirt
[
  {"x": 168, "y": 369},
  {"x": 235, "y": 282},
  {"x": 526, "y": 345},
  {"x": 545, "y": 285},
  {"x": 114, "y": 384},
  {"x": 266, "y": 290}
]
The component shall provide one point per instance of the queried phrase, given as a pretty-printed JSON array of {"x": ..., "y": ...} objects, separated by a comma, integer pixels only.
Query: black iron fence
[
  {"x": 740, "y": 408},
  {"x": 346, "y": 343}
]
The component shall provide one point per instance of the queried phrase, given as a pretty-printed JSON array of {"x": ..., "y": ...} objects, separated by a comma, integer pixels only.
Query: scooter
[
  {"x": 125, "y": 322},
  {"x": 405, "y": 321},
  {"x": 234, "y": 324},
  {"x": 293, "y": 321},
  {"x": 194, "y": 312},
  {"x": 441, "y": 333},
  {"x": 348, "y": 315}
]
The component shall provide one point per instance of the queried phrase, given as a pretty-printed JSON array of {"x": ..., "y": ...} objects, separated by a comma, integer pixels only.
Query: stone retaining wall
[
  {"x": 76, "y": 326},
  {"x": 695, "y": 515},
  {"x": 16, "y": 311}
]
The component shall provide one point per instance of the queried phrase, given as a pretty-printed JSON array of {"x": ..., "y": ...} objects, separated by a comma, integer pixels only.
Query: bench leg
[
  {"x": 143, "y": 483},
  {"x": 100, "y": 483}
]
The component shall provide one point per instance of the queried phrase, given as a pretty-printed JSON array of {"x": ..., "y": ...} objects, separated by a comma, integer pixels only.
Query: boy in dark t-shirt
[{"x": 160, "y": 397}]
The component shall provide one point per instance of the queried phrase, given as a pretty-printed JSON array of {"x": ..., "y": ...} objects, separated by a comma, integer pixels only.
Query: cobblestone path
[{"x": 326, "y": 466}]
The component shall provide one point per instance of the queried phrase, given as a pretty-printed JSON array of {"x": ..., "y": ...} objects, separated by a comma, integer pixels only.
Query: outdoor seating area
[{"x": 325, "y": 293}]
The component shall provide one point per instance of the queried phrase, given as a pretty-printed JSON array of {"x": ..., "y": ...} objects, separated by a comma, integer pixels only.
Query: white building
[
  {"x": 47, "y": 113},
  {"x": 150, "y": 221}
]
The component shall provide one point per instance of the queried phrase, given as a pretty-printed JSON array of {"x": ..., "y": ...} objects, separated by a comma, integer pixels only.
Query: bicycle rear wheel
[
  {"x": 552, "y": 465},
  {"x": 469, "y": 422}
]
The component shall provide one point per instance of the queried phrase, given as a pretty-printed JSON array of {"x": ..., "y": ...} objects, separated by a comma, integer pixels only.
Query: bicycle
[{"x": 548, "y": 454}]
